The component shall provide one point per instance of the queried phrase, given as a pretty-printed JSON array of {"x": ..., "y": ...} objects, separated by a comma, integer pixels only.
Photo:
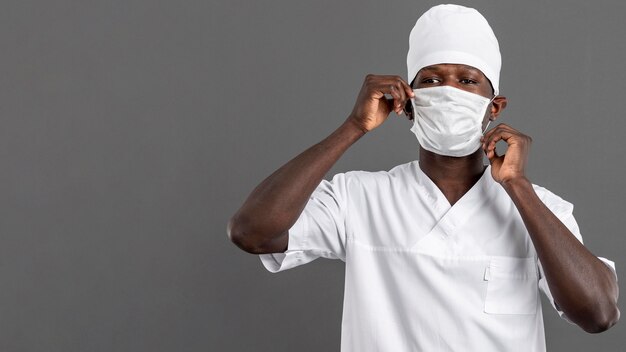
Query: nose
[{"x": 452, "y": 82}]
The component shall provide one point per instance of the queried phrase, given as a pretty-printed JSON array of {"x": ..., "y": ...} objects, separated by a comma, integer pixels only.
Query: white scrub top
[{"x": 422, "y": 275}]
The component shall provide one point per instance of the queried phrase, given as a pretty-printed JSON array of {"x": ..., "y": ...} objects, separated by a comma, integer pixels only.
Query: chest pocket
[{"x": 512, "y": 286}]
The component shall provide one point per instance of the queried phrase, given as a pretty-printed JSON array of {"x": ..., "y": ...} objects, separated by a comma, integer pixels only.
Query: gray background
[{"x": 132, "y": 130}]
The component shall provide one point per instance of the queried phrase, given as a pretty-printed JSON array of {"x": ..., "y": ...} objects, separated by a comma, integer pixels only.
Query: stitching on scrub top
[{"x": 414, "y": 251}]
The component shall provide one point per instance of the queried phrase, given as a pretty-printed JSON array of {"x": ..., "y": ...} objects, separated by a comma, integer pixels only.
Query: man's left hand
[{"x": 512, "y": 165}]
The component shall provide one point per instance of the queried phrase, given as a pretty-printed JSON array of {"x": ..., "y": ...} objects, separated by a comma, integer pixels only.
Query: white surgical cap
[{"x": 453, "y": 34}]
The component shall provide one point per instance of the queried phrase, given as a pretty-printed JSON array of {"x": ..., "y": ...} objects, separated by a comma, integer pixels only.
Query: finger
[
  {"x": 489, "y": 145},
  {"x": 405, "y": 87},
  {"x": 490, "y": 151},
  {"x": 506, "y": 127},
  {"x": 373, "y": 88},
  {"x": 497, "y": 134},
  {"x": 511, "y": 135},
  {"x": 490, "y": 148},
  {"x": 408, "y": 110},
  {"x": 398, "y": 97},
  {"x": 390, "y": 86},
  {"x": 408, "y": 89},
  {"x": 507, "y": 136},
  {"x": 401, "y": 85},
  {"x": 492, "y": 154},
  {"x": 501, "y": 128},
  {"x": 406, "y": 92},
  {"x": 486, "y": 138},
  {"x": 389, "y": 103},
  {"x": 491, "y": 142},
  {"x": 489, "y": 133}
]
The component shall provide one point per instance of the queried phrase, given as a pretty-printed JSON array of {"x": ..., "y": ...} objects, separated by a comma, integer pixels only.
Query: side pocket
[{"x": 512, "y": 286}]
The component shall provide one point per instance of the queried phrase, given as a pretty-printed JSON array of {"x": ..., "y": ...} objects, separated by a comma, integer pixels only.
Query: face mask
[{"x": 448, "y": 120}]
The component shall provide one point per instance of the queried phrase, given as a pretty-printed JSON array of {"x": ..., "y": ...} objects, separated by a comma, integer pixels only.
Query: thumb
[{"x": 389, "y": 103}]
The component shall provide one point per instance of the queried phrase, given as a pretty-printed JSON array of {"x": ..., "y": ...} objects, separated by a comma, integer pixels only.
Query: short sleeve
[
  {"x": 319, "y": 231},
  {"x": 564, "y": 211}
]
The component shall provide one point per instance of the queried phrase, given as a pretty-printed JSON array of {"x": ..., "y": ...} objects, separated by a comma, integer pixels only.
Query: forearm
[
  {"x": 584, "y": 287},
  {"x": 262, "y": 223}
]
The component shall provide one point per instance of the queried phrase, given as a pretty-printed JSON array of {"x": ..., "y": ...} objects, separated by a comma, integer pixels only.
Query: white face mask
[{"x": 447, "y": 120}]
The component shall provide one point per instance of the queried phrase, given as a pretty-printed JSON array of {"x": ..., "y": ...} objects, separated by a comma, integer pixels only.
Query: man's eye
[
  {"x": 468, "y": 81},
  {"x": 430, "y": 80}
]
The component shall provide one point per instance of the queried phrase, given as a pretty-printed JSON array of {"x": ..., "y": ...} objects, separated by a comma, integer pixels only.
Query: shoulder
[
  {"x": 555, "y": 203},
  {"x": 359, "y": 181},
  {"x": 396, "y": 175}
]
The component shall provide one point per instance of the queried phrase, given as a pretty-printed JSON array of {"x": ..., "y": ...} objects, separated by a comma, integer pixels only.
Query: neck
[{"x": 453, "y": 175}]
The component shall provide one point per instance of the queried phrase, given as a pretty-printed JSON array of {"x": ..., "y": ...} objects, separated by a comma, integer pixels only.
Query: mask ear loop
[{"x": 489, "y": 121}]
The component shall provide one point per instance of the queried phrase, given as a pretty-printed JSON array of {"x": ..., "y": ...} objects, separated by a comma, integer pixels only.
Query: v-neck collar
[
  {"x": 449, "y": 218},
  {"x": 478, "y": 190}
]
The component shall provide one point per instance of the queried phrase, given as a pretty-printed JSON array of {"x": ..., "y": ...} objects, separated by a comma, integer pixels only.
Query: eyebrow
[{"x": 436, "y": 68}]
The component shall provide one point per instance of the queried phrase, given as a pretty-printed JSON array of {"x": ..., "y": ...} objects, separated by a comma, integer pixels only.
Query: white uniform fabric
[
  {"x": 422, "y": 275},
  {"x": 454, "y": 34}
]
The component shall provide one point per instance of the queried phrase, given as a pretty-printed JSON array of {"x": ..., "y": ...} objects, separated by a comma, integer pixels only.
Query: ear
[{"x": 497, "y": 105}]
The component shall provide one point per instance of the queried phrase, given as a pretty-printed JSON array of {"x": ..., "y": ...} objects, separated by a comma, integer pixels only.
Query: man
[{"x": 444, "y": 254}]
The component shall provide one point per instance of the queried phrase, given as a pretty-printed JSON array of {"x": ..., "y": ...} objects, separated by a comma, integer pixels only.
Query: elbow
[
  {"x": 236, "y": 234},
  {"x": 605, "y": 322},
  {"x": 602, "y": 320},
  {"x": 240, "y": 236},
  {"x": 601, "y": 311},
  {"x": 606, "y": 312}
]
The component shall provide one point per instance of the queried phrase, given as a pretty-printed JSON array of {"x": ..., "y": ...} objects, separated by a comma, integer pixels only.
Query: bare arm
[
  {"x": 581, "y": 284},
  {"x": 262, "y": 223}
]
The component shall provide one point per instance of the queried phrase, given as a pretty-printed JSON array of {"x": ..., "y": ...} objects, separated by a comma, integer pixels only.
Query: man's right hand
[{"x": 372, "y": 107}]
